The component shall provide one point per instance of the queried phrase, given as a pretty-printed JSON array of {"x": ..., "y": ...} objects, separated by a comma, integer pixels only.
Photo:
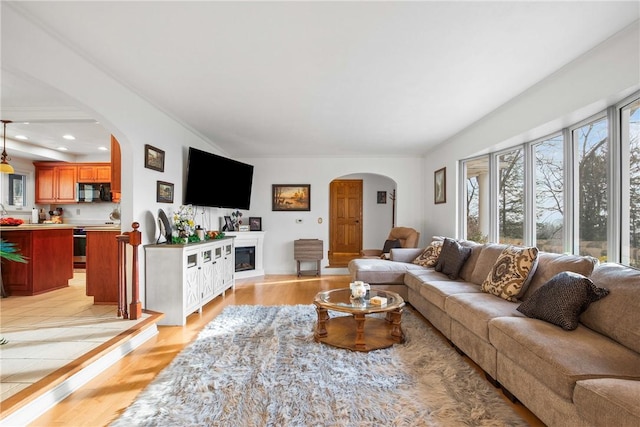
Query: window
[
  {"x": 549, "y": 194},
  {"x": 576, "y": 191},
  {"x": 16, "y": 194},
  {"x": 511, "y": 197},
  {"x": 590, "y": 142},
  {"x": 476, "y": 178},
  {"x": 630, "y": 154}
]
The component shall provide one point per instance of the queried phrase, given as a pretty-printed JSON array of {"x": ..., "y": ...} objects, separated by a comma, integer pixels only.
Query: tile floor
[{"x": 45, "y": 332}]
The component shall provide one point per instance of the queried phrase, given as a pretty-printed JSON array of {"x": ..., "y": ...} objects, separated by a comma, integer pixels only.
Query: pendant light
[{"x": 5, "y": 167}]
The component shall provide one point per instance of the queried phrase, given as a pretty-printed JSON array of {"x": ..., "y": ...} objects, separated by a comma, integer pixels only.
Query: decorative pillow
[
  {"x": 452, "y": 257},
  {"x": 390, "y": 244},
  {"x": 429, "y": 257},
  {"x": 562, "y": 299},
  {"x": 512, "y": 270}
]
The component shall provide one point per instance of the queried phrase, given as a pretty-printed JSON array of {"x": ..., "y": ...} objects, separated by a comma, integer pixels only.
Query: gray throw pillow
[
  {"x": 562, "y": 299},
  {"x": 452, "y": 257}
]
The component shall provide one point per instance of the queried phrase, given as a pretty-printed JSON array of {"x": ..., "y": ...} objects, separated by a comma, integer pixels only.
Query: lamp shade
[{"x": 6, "y": 168}]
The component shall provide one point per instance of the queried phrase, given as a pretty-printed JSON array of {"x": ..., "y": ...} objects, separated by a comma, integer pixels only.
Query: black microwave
[{"x": 93, "y": 192}]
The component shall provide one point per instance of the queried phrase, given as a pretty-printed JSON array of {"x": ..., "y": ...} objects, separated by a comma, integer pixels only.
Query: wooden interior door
[{"x": 345, "y": 221}]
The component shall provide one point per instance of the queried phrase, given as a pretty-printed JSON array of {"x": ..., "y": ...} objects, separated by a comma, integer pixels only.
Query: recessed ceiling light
[
  {"x": 103, "y": 149},
  {"x": 69, "y": 137},
  {"x": 21, "y": 137},
  {"x": 63, "y": 148}
]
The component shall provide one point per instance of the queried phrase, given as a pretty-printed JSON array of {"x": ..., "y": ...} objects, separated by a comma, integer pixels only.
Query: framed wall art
[
  {"x": 255, "y": 223},
  {"x": 440, "y": 186},
  {"x": 153, "y": 158},
  {"x": 164, "y": 192},
  {"x": 228, "y": 224},
  {"x": 291, "y": 197},
  {"x": 382, "y": 197}
]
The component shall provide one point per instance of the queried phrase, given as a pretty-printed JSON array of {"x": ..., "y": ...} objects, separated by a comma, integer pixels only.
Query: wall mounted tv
[{"x": 217, "y": 181}]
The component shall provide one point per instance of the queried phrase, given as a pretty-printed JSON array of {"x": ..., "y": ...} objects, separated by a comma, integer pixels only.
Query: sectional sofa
[{"x": 587, "y": 376}]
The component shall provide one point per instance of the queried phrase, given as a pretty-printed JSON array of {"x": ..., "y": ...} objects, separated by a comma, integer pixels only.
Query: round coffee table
[{"x": 356, "y": 332}]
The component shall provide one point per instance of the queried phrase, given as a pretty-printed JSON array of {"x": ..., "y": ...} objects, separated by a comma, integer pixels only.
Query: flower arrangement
[{"x": 183, "y": 221}]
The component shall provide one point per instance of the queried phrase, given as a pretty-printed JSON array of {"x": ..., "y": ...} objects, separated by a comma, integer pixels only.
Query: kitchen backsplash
[{"x": 80, "y": 213}]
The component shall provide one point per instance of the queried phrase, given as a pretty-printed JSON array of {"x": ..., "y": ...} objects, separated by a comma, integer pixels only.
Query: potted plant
[{"x": 9, "y": 252}]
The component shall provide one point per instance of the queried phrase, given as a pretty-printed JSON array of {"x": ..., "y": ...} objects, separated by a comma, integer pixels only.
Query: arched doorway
[{"x": 361, "y": 213}]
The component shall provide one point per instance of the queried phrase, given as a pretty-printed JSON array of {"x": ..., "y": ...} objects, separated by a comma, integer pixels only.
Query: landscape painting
[{"x": 291, "y": 197}]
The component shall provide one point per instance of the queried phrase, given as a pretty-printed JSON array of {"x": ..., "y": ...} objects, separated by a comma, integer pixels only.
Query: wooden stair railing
[{"x": 134, "y": 238}]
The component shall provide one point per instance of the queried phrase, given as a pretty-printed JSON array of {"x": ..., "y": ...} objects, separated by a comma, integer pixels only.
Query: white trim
[{"x": 49, "y": 399}]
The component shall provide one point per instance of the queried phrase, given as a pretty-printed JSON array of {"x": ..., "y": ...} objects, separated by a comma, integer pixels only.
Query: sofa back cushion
[
  {"x": 485, "y": 262},
  {"x": 470, "y": 265},
  {"x": 618, "y": 315},
  {"x": 550, "y": 264}
]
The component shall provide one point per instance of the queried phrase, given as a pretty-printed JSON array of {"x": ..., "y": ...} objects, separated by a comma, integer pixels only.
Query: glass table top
[{"x": 340, "y": 300}]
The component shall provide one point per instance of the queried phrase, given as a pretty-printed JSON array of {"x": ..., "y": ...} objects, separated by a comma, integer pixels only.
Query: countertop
[{"x": 36, "y": 227}]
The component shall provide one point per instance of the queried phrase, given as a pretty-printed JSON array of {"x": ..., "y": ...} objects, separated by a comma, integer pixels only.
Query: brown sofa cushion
[
  {"x": 486, "y": 260},
  {"x": 511, "y": 272},
  {"x": 608, "y": 401},
  {"x": 551, "y": 264},
  {"x": 618, "y": 315},
  {"x": 562, "y": 299}
]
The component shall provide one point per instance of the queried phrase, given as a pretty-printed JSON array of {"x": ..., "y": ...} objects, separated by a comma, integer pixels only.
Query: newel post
[{"x": 135, "y": 239}]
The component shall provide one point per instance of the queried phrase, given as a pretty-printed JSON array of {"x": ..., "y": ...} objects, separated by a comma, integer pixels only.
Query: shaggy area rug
[{"x": 259, "y": 366}]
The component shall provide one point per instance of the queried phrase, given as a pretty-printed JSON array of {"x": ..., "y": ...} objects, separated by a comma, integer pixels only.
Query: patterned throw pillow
[
  {"x": 452, "y": 258},
  {"x": 562, "y": 299},
  {"x": 429, "y": 257},
  {"x": 511, "y": 271}
]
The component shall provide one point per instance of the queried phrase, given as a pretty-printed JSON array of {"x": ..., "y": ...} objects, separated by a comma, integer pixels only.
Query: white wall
[
  {"x": 281, "y": 227},
  {"x": 599, "y": 78}
]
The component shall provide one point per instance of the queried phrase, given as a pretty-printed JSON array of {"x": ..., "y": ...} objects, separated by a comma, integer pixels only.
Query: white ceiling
[{"x": 315, "y": 78}]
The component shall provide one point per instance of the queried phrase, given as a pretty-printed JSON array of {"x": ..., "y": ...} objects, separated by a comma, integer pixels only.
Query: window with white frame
[
  {"x": 576, "y": 191},
  {"x": 630, "y": 155},
  {"x": 476, "y": 179},
  {"x": 590, "y": 144},
  {"x": 548, "y": 157},
  {"x": 511, "y": 202}
]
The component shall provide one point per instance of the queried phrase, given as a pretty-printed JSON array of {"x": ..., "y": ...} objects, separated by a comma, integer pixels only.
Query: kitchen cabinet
[
  {"x": 94, "y": 172},
  {"x": 49, "y": 251},
  {"x": 181, "y": 279},
  {"x": 116, "y": 180},
  {"x": 56, "y": 182},
  {"x": 102, "y": 266}
]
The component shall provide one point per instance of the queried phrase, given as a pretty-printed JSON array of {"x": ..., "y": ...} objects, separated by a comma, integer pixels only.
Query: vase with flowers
[{"x": 183, "y": 223}]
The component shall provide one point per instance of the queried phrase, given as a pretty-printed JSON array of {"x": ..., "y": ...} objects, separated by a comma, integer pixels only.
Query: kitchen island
[{"x": 49, "y": 252}]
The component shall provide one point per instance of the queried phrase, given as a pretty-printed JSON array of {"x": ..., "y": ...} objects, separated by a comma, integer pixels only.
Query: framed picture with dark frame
[
  {"x": 440, "y": 186},
  {"x": 291, "y": 197},
  {"x": 382, "y": 197},
  {"x": 164, "y": 192},
  {"x": 228, "y": 224},
  {"x": 153, "y": 158},
  {"x": 255, "y": 223}
]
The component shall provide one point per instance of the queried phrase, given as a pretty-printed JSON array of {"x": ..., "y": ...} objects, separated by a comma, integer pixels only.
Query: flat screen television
[{"x": 217, "y": 181}]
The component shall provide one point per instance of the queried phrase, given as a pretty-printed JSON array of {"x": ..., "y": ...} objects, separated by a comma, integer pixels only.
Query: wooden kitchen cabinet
[
  {"x": 102, "y": 266},
  {"x": 94, "y": 172},
  {"x": 116, "y": 181},
  {"x": 49, "y": 251},
  {"x": 56, "y": 182}
]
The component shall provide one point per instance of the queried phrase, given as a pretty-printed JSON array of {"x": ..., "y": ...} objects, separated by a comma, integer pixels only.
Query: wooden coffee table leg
[
  {"x": 360, "y": 343},
  {"x": 321, "y": 327},
  {"x": 395, "y": 317}
]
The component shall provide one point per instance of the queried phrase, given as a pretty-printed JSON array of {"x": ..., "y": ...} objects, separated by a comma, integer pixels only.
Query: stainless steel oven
[{"x": 79, "y": 245}]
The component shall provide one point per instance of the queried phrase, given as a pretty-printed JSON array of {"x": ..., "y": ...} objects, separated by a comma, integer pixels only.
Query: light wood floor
[{"x": 104, "y": 398}]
